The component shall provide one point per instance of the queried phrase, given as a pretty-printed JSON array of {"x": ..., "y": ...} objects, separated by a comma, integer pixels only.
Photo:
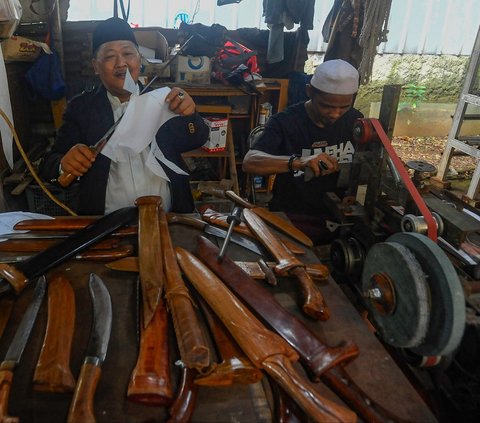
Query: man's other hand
[
  {"x": 180, "y": 102},
  {"x": 322, "y": 164}
]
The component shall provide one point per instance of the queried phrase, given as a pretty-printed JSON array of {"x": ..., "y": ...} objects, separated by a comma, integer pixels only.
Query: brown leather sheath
[
  {"x": 53, "y": 373},
  {"x": 191, "y": 340},
  {"x": 324, "y": 362},
  {"x": 264, "y": 348}
]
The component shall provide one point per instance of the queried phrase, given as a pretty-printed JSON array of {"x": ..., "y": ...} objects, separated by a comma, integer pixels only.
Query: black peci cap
[{"x": 113, "y": 29}]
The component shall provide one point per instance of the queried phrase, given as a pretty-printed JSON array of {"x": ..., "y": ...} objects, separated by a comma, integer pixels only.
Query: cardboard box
[
  {"x": 193, "y": 70},
  {"x": 153, "y": 47},
  {"x": 21, "y": 49},
  {"x": 217, "y": 138}
]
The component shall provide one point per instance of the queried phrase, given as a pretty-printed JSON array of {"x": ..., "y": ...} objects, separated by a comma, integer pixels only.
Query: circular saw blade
[
  {"x": 397, "y": 294},
  {"x": 447, "y": 300}
]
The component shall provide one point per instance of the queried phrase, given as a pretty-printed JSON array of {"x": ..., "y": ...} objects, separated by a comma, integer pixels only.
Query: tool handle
[
  {"x": 6, "y": 377},
  {"x": 186, "y": 220},
  {"x": 15, "y": 277},
  {"x": 81, "y": 407},
  {"x": 303, "y": 392},
  {"x": 66, "y": 179},
  {"x": 238, "y": 200},
  {"x": 150, "y": 382},
  {"x": 53, "y": 373},
  {"x": 182, "y": 408},
  {"x": 101, "y": 255},
  {"x": 314, "y": 304}
]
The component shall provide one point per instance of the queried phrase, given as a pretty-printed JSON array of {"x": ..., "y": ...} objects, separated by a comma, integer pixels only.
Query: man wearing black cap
[
  {"x": 106, "y": 185},
  {"x": 313, "y": 137}
]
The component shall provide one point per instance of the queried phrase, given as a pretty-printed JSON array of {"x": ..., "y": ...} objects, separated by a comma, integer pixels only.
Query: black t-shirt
[{"x": 293, "y": 132}]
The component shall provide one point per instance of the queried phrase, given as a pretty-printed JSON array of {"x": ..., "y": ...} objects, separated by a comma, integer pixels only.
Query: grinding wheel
[
  {"x": 447, "y": 300},
  {"x": 396, "y": 293}
]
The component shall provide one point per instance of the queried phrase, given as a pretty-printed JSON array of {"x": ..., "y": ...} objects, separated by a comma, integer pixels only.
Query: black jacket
[{"x": 88, "y": 117}]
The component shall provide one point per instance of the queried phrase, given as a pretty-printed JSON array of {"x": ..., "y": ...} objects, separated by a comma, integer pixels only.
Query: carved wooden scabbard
[
  {"x": 235, "y": 367},
  {"x": 182, "y": 407},
  {"x": 53, "y": 372},
  {"x": 324, "y": 363},
  {"x": 220, "y": 219},
  {"x": 314, "y": 304},
  {"x": 191, "y": 340},
  {"x": 150, "y": 382},
  {"x": 264, "y": 348}
]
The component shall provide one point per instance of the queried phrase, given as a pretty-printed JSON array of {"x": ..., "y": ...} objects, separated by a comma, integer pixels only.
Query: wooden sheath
[
  {"x": 314, "y": 304},
  {"x": 52, "y": 373},
  {"x": 193, "y": 346},
  {"x": 264, "y": 348},
  {"x": 215, "y": 218},
  {"x": 272, "y": 218},
  {"x": 35, "y": 245},
  {"x": 325, "y": 363},
  {"x": 234, "y": 366},
  {"x": 150, "y": 381},
  {"x": 149, "y": 255}
]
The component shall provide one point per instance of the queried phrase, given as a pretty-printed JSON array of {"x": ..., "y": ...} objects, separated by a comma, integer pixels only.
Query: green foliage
[{"x": 414, "y": 94}]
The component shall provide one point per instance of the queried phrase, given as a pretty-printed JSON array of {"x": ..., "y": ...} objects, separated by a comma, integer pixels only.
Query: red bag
[{"x": 234, "y": 56}]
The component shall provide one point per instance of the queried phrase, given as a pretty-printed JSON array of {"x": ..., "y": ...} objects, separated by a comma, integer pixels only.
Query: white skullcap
[{"x": 335, "y": 77}]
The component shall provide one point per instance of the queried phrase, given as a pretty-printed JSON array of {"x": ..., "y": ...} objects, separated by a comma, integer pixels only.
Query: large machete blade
[{"x": 16, "y": 277}]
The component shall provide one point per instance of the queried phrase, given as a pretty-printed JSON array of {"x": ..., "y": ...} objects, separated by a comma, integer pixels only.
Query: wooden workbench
[{"x": 374, "y": 371}]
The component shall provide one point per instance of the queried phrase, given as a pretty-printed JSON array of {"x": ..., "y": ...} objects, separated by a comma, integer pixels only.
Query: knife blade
[
  {"x": 17, "y": 346},
  {"x": 215, "y": 231},
  {"x": 16, "y": 277},
  {"x": 81, "y": 407},
  {"x": 272, "y": 219}
]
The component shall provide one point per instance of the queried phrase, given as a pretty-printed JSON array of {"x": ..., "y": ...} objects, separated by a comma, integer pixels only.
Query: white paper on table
[
  {"x": 143, "y": 118},
  {"x": 10, "y": 219},
  {"x": 6, "y": 106}
]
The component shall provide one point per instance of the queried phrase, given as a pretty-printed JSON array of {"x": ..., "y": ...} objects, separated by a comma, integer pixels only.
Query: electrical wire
[{"x": 31, "y": 169}]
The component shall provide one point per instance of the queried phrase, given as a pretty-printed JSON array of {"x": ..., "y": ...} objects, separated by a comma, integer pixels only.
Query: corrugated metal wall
[{"x": 415, "y": 26}]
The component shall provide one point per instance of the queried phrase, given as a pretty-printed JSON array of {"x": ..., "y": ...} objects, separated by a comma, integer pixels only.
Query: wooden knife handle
[
  {"x": 81, "y": 407},
  {"x": 6, "y": 377},
  {"x": 303, "y": 392},
  {"x": 186, "y": 220},
  {"x": 16, "y": 278},
  {"x": 182, "y": 408},
  {"x": 53, "y": 373},
  {"x": 314, "y": 304},
  {"x": 238, "y": 200},
  {"x": 66, "y": 179},
  {"x": 113, "y": 254},
  {"x": 150, "y": 382}
]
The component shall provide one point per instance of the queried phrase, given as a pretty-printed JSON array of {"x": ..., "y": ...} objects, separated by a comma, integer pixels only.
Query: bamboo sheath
[
  {"x": 324, "y": 363},
  {"x": 182, "y": 407},
  {"x": 314, "y": 305},
  {"x": 234, "y": 367},
  {"x": 194, "y": 350},
  {"x": 150, "y": 381},
  {"x": 220, "y": 219},
  {"x": 52, "y": 373},
  {"x": 264, "y": 348}
]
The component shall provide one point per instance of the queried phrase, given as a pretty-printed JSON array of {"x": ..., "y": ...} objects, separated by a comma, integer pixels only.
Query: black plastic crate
[{"x": 39, "y": 202}]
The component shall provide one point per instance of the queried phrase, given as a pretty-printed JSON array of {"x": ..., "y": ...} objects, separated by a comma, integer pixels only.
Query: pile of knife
[{"x": 245, "y": 348}]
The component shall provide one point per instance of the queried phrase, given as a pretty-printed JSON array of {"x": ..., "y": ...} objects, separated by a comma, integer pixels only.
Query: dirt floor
[{"x": 430, "y": 150}]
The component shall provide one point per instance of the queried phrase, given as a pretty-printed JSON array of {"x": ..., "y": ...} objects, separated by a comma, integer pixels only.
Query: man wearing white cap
[{"x": 316, "y": 134}]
